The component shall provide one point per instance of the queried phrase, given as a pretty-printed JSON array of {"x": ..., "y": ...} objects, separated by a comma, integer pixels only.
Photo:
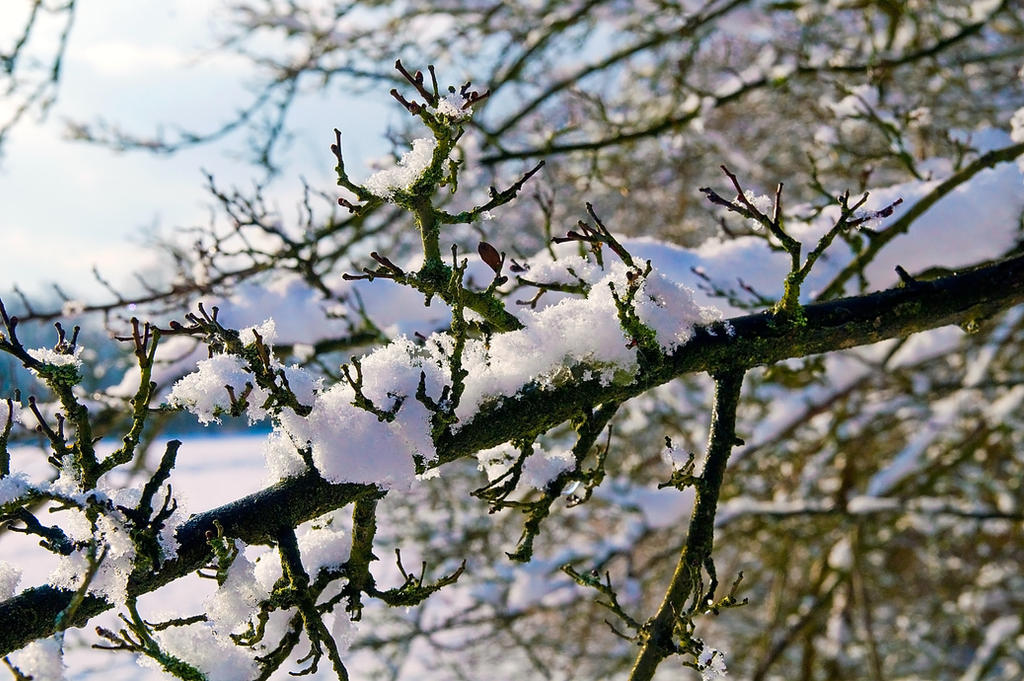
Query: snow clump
[
  {"x": 217, "y": 657},
  {"x": 203, "y": 392},
  {"x": 10, "y": 577},
  {"x": 110, "y": 579},
  {"x": 451, "y": 105},
  {"x": 543, "y": 467},
  {"x": 711, "y": 663},
  {"x": 13, "y": 487},
  {"x": 48, "y": 356},
  {"x": 41, "y": 660},
  {"x": 233, "y": 604},
  {"x": 384, "y": 183}
]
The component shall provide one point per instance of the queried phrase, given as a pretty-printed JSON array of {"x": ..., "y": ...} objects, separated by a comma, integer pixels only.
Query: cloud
[{"x": 120, "y": 58}]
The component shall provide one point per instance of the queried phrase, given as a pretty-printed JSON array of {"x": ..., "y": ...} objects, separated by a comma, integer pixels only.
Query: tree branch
[
  {"x": 255, "y": 519},
  {"x": 753, "y": 340},
  {"x": 657, "y": 640}
]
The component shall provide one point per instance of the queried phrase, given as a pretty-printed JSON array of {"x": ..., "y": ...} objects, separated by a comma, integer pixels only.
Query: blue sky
[{"x": 68, "y": 206}]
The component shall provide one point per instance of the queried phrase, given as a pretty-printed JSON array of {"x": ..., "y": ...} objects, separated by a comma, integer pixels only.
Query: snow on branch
[{"x": 495, "y": 375}]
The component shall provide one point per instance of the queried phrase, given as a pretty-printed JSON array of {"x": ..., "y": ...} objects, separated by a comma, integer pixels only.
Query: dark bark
[{"x": 658, "y": 639}]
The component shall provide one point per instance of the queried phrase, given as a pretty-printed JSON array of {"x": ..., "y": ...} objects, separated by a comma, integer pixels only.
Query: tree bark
[{"x": 658, "y": 641}]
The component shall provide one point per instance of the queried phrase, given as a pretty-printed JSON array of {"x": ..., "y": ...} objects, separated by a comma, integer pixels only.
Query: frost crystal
[{"x": 384, "y": 183}]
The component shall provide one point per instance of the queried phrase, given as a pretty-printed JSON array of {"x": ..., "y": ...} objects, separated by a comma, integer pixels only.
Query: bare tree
[
  {"x": 30, "y": 66},
  {"x": 858, "y": 486}
]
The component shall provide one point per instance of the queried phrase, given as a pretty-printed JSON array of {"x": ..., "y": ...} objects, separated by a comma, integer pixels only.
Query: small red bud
[{"x": 490, "y": 255}]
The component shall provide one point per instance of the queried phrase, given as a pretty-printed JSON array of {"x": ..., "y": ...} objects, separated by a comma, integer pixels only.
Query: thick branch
[
  {"x": 755, "y": 340},
  {"x": 902, "y": 225},
  {"x": 761, "y": 339}
]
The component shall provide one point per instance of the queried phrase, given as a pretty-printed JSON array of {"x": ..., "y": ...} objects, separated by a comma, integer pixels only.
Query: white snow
[
  {"x": 344, "y": 630},
  {"x": 13, "y": 487},
  {"x": 324, "y": 547},
  {"x": 203, "y": 392},
  {"x": 216, "y": 656},
  {"x": 871, "y": 504},
  {"x": 1017, "y": 132},
  {"x": 671, "y": 311},
  {"x": 350, "y": 444},
  {"x": 451, "y": 106},
  {"x": 321, "y": 546},
  {"x": 841, "y": 555},
  {"x": 674, "y": 457},
  {"x": 10, "y": 577},
  {"x": 911, "y": 458},
  {"x": 110, "y": 579},
  {"x": 298, "y": 310},
  {"x": 41, "y": 660},
  {"x": 282, "y": 457},
  {"x": 234, "y": 603},
  {"x": 384, "y": 183},
  {"x": 859, "y": 100},
  {"x": 997, "y": 632},
  {"x": 541, "y": 468},
  {"x": 49, "y": 356},
  {"x": 495, "y": 461},
  {"x": 761, "y": 202},
  {"x": 951, "y": 233}
]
